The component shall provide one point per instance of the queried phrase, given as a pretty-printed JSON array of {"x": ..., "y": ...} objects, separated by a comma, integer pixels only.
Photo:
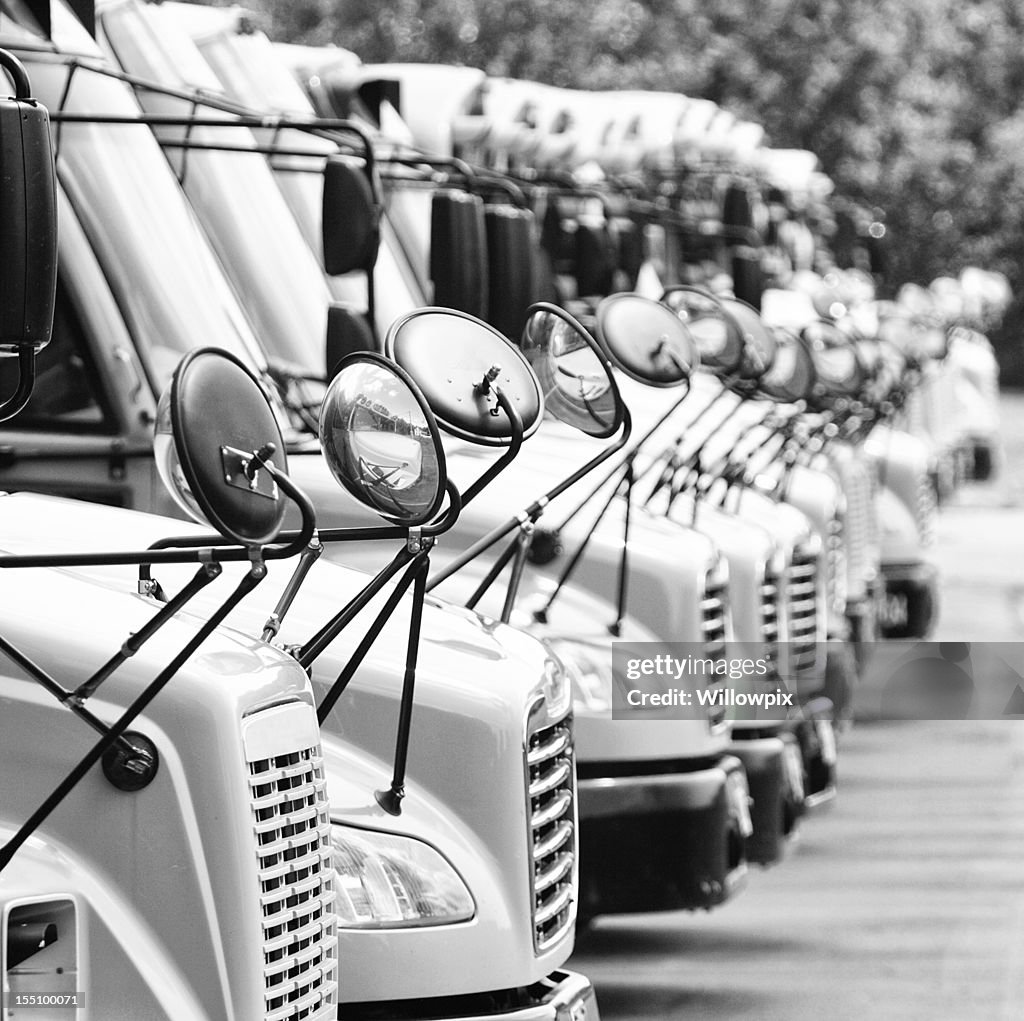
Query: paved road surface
[{"x": 906, "y": 899}]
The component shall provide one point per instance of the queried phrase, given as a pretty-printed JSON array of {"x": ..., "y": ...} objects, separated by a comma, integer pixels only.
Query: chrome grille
[
  {"x": 712, "y": 610},
  {"x": 291, "y": 827},
  {"x": 770, "y": 616},
  {"x": 802, "y": 611},
  {"x": 856, "y": 527},
  {"x": 551, "y": 785},
  {"x": 713, "y": 633},
  {"x": 835, "y": 561}
]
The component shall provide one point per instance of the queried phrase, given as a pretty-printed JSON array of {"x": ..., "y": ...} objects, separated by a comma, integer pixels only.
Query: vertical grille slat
[
  {"x": 770, "y": 616},
  {"x": 292, "y": 845},
  {"x": 713, "y": 632},
  {"x": 550, "y": 782},
  {"x": 802, "y": 610},
  {"x": 835, "y": 558},
  {"x": 858, "y": 524}
]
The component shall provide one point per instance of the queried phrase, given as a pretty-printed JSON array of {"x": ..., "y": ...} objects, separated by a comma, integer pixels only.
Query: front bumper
[
  {"x": 862, "y": 616},
  {"x": 910, "y": 605},
  {"x": 984, "y": 457},
  {"x": 775, "y": 773},
  {"x": 661, "y": 842},
  {"x": 562, "y": 996},
  {"x": 817, "y": 738}
]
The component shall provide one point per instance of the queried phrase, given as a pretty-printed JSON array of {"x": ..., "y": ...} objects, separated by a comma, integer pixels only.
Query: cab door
[
  {"x": 86, "y": 433},
  {"x": 69, "y": 441}
]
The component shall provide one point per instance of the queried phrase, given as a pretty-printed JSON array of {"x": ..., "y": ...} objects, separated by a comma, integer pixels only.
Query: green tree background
[{"x": 914, "y": 106}]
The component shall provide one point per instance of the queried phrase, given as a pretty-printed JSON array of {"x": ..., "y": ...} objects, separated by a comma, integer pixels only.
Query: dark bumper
[
  {"x": 774, "y": 770},
  {"x": 911, "y": 600},
  {"x": 662, "y": 842}
]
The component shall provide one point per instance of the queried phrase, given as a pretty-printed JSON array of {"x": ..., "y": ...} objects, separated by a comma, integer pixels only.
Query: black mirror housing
[
  {"x": 28, "y": 221},
  {"x": 511, "y": 266},
  {"x": 348, "y": 332},
  {"x": 458, "y": 251},
  {"x": 351, "y": 217}
]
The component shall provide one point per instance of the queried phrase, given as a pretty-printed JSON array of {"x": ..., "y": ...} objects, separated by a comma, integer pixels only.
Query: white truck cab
[
  {"x": 117, "y": 283},
  {"x": 161, "y": 871},
  {"x": 694, "y": 741}
]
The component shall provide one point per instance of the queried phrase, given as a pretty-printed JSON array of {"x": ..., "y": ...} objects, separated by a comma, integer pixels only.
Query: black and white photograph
[{"x": 511, "y": 511}]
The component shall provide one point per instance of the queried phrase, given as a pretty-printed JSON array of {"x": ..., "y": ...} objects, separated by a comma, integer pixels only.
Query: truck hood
[{"x": 476, "y": 682}]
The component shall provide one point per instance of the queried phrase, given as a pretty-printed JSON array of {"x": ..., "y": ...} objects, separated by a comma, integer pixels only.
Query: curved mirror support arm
[
  {"x": 136, "y": 759},
  {"x": 511, "y": 451},
  {"x": 529, "y": 517},
  {"x": 120, "y": 768},
  {"x": 417, "y": 541},
  {"x": 622, "y": 478},
  {"x": 622, "y": 484},
  {"x": 319, "y": 642},
  {"x": 523, "y": 524},
  {"x": 186, "y": 549},
  {"x": 415, "y": 575},
  {"x": 690, "y": 470},
  {"x": 669, "y": 460},
  {"x": 26, "y": 381},
  {"x": 307, "y": 558}
]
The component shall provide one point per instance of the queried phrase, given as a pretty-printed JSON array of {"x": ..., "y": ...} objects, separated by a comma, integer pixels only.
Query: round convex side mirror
[
  {"x": 758, "y": 342},
  {"x": 839, "y": 370},
  {"x": 646, "y": 340},
  {"x": 381, "y": 441},
  {"x": 574, "y": 374},
  {"x": 932, "y": 340},
  {"x": 791, "y": 377},
  {"x": 456, "y": 361},
  {"x": 894, "y": 362},
  {"x": 718, "y": 338},
  {"x": 211, "y": 419}
]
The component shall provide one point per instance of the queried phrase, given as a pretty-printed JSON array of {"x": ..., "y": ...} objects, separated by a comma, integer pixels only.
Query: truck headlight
[
  {"x": 590, "y": 670},
  {"x": 390, "y": 882}
]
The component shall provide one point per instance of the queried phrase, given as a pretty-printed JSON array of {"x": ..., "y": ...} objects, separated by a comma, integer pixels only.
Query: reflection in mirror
[
  {"x": 168, "y": 464},
  {"x": 211, "y": 419},
  {"x": 576, "y": 381},
  {"x": 835, "y": 359},
  {"x": 718, "y": 341},
  {"x": 791, "y": 377},
  {"x": 933, "y": 342},
  {"x": 381, "y": 442},
  {"x": 758, "y": 342},
  {"x": 646, "y": 340}
]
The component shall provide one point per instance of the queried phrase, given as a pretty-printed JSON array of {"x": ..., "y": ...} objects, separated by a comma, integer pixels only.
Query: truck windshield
[
  {"x": 168, "y": 284},
  {"x": 252, "y": 73},
  {"x": 272, "y": 268}
]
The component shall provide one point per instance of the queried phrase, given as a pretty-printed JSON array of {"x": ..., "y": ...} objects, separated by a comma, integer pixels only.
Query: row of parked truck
[{"x": 472, "y": 380}]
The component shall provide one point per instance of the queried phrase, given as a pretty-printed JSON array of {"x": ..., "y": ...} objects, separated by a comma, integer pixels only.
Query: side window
[{"x": 68, "y": 395}]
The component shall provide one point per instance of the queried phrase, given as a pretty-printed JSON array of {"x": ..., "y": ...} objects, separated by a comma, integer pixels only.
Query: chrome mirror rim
[
  {"x": 722, "y": 369},
  {"x": 451, "y": 388},
  {"x": 629, "y": 366},
  {"x": 554, "y": 407},
  {"x": 211, "y": 419},
  {"x": 338, "y": 466}
]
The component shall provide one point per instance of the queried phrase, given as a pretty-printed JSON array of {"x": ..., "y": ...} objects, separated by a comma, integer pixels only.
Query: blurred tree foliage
[{"x": 913, "y": 106}]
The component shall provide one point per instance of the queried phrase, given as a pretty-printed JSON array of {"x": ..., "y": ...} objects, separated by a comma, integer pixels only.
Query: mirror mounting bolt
[
  {"x": 132, "y": 764},
  {"x": 418, "y": 542},
  {"x": 147, "y": 586},
  {"x": 484, "y": 386},
  {"x": 258, "y": 460}
]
